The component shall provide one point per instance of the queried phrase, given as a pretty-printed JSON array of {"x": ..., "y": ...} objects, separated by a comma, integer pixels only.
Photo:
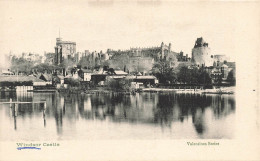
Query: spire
[{"x": 59, "y": 38}]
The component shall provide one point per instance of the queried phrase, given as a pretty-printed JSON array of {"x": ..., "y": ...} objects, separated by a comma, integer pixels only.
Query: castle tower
[
  {"x": 64, "y": 50},
  {"x": 162, "y": 44},
  {"x": 201, "y": 53},
  {"x": 162, "y": 51},
  {"x": 170, "y": 47},
  {"x": 58, "y": 54}
]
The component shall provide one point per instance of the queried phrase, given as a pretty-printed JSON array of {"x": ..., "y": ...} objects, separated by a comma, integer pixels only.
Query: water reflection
[{"x": 146, "y": 109}]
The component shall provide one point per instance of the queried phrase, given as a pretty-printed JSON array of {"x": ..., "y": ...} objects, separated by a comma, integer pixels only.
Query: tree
[
  {"x": 193, "y": 76},
  {"x": 105, "y": 63},
  {"x": 164, "y": 72},
  {"x": 72, "y": 82},
  {"x": 41, "y": 68},
  {"x": 111, "y": 71},
  {"x": 105, "y": 68},
  {"x": 84, "y": 62},
  {"x": 230, "y": 78},
  {"x": 184, "y": 75},
  {"x": 67, "y": 63},
  {"x": 119, "y": 84},
  {"x": 204, "y": 77},
  {"x": 21, "y": 65}
]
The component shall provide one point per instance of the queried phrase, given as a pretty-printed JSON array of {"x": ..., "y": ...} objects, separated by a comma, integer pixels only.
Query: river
[{"x": 116, "y": 116}]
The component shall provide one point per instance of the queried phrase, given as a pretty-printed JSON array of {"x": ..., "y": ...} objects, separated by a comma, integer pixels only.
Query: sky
[{"x": 33, "y": 26}]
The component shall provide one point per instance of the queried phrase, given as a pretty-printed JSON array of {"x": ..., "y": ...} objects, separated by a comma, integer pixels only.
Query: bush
[
  {"x": 119, "y": 84},
  {"x": 72, "y": 82}
]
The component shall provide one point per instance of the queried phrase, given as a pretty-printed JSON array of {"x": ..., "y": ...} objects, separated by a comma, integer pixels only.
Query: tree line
[{"x": 167, "y": 73}]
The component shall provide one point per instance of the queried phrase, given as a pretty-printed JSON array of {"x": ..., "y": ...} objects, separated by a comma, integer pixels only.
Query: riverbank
[
  {"x": 221, "y": 90},
  {"x": 102, "y": 90},
  {"x": 98, "y": 90}
]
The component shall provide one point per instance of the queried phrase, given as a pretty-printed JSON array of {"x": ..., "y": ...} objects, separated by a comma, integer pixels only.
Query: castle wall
[{"x": 140, "y": 64}]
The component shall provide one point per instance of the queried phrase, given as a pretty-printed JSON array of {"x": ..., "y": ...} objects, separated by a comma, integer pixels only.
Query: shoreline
[{"x": 222, "y": 90}]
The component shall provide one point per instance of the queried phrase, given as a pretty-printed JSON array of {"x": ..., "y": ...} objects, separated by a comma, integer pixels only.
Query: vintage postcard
[{"x": 129, "y": 80}]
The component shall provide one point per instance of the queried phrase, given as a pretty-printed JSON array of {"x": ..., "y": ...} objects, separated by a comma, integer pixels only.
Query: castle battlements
[{"x": 145, "y": 48}]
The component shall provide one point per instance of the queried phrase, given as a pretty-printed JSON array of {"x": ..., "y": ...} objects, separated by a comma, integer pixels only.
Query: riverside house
[{"x": 16, "y": 82}]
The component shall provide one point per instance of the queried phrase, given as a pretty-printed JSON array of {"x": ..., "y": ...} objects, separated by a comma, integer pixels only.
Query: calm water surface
[{"x": 116, "y": 116}]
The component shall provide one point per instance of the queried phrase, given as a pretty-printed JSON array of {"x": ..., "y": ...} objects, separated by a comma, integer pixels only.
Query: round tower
[{"x": 201, "y": 53}]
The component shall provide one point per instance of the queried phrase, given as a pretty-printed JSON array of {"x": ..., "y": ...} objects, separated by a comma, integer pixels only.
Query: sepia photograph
[{"x": 129, "y": 80}]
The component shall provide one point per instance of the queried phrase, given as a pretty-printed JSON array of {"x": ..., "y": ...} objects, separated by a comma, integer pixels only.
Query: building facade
[
  {"x": 32, "y": 57},
  {"x": 221, "y": 58}
]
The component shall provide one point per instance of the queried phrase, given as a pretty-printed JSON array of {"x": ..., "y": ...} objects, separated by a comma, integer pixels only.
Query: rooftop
[
  {"x": 141, "y": 77},
  {"x": 120, "y": 72}
]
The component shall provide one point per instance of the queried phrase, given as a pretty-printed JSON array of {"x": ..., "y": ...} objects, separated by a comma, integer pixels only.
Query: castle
[
  {"x": 142, "y": 59},
  {"x": 158, "y": 52},
  {"x": 137, "y": 58}
]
